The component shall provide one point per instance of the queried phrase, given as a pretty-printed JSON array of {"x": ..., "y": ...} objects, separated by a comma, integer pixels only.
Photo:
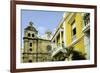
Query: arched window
[
  {"x": 32, "y": 35},
  {"x": 28, "y": 34}
]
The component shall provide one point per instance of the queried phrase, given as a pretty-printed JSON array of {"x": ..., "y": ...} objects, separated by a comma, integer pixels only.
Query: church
[{"x": 35, "y": 48}]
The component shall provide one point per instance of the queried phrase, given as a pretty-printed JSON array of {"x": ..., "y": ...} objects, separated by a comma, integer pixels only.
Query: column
[
  {"x": 55, "y": 41},
  {"x": 60, "y": 38}
]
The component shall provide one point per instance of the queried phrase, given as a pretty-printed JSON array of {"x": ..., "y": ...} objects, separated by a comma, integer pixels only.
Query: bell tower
[{"x": 30, "y": 33}]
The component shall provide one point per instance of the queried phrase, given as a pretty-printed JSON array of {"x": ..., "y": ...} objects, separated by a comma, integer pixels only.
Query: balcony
[
  {"x": 57, "y": 50},
  {"x": 86, "y": 22},
  {"x": 86, "y": 28}
]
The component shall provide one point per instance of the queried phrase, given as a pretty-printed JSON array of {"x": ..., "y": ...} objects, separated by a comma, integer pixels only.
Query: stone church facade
[{"x": 35, "y": 49}]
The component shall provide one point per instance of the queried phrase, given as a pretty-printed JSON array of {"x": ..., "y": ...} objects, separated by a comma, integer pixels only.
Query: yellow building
[{"x": 72, "y": 34}]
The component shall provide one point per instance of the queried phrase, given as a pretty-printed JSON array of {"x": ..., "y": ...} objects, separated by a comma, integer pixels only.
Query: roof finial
[{"x": 30, "y": 23}]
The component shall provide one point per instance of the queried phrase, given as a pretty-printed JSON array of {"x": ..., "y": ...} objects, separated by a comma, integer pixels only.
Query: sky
[{"x": 43, "y": 20}]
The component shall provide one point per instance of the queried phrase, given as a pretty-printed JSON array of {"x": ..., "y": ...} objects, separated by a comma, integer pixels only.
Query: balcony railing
[
  {"x": 57, "y": 50},
  {"x": 86, "y": 28},
  {"x": 86, "y": 22}
]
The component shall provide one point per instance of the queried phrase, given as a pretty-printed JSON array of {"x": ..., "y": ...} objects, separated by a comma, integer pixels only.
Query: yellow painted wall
[
  {"x": 79, "y": 46},
  {"x": 78, "y": 21},
  {"x": 68, "y": 33}
]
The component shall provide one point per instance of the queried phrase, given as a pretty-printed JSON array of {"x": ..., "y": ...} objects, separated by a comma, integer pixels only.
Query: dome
[{"x": 30, "y": 27}]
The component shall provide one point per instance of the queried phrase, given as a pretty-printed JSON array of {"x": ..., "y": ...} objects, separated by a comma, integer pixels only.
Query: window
[
  {"x": 32, "y": 35},
  {"x": 30, "y": 49},
  {"x": 30, "y": 61},
  {"x": 23, "y": 57},
  {"x": 73, "y": 31},
  {"x": 28, "y": 34},
  {"x": 31, "y": 44},
  {"x": 49, "y": 47}
]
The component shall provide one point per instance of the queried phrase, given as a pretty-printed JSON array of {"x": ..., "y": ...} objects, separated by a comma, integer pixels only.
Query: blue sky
[{"x": 43, "y": 20}]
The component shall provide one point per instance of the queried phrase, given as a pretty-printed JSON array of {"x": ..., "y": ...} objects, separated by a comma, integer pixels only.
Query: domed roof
[{"x": 31, "y": 27}]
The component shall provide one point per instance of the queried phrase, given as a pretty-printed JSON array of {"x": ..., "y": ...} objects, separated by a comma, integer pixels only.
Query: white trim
[
  {"x": 73, "y": 25},
  {"x": 70, "y": 17},
  {"x": 64, "y": 36},
  {"x": 57, "y": 33},
  {"x": 60, "y": 38}
]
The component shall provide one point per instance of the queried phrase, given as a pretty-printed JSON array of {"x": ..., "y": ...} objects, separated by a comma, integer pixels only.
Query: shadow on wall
[{"x": 77, "y": 55}]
